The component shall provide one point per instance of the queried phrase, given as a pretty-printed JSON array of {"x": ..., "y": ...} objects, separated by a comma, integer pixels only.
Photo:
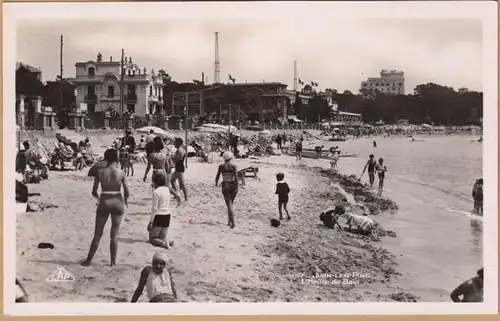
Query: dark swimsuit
[
  {"x": 228, "y": 179},
  {"x": 179, "y": 165},
  {"x": 110, "y": 203}
]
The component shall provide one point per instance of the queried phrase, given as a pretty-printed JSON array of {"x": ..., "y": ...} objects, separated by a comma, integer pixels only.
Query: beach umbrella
[
  {"x": 336, "y": 129},
  {"x": 156, "y": 130},
  {"x": 265, "y": 132}
]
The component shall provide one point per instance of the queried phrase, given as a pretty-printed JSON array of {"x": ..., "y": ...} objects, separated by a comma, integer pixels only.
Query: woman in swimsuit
[
  {"x": 381, "y": 170},
  {"x": 178, "y": 174},
  {"x": 111, "y": 202},
  {"x": 229, "y": 184},
  {"x": 158, "y": 281},
  {"x": 161, "y": 165}
]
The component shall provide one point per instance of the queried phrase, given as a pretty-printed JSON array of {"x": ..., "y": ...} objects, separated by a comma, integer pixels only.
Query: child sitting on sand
[
  {"x": 282, "y": 189},
  {"x": 158, "y": 281},
  {"x": 160, "y": 213}
]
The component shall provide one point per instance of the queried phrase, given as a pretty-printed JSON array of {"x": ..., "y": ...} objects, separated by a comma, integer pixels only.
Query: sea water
[{"x": 439, "y": 238}]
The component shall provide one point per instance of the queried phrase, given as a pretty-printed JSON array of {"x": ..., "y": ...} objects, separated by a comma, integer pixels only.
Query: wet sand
[{"x": 210, "y": 262}]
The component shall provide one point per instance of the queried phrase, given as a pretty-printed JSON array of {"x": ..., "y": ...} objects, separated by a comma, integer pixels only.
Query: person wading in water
[
  {"x": 158, "y": 281},
  {"x": 470, "y": 290},
  {"x": 178, "y": 174},
  {"x": 161, "y": 165},
  {"x": 111, "y": 202},
  {"x": 381, "y": 170},
  {"x": 370, "y": 165},
  {"x": 229, "y": 184}
]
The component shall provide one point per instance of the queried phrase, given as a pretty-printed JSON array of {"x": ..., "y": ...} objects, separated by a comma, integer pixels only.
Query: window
[
  {"x": 401, "y": 84},
  {"x": 111, "y": 91},
  {"x": 91, "y": 108},
  {"x": 156, "y": 91},
  {"x": 151, "y": 90},
  {"x": 90, "y": 90},
  {"x": 91, "y": 71}
]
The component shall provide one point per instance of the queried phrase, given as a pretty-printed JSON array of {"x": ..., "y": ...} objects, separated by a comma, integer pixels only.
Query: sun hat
[
  {"x": 160, "y": 256},
  {"x": 227, "y": 156}
]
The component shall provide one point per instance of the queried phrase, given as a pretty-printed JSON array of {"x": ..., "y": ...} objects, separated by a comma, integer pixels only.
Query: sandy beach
[{"x": 252, "y": 263}]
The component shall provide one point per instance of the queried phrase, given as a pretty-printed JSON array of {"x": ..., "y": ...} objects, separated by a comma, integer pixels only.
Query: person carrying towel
[{"x": 158, "y": 281}]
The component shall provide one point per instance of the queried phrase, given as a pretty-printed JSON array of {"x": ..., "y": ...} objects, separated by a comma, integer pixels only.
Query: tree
[{"x": 298, "y": 107}]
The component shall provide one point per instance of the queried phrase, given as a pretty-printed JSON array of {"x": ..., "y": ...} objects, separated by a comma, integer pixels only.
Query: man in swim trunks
[
  {"x": 158, "y": 281},
  {"x": 178, "y": 174},
  {"x": 370, "y": 165},
  {"x": 111, "y": 202},
  {"x": 298, "y": 149},
  {"x": 229, "y": 184},
  {"x": 159, "y": 160},
  {"x": 381, "y": 170},
  {"x": 470, "y": 290}
]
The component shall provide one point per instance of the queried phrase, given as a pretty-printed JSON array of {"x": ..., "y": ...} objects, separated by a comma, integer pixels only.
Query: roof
[
  {"x": 254, "y": 84},
  {"x": 109, "y": 63},
  {"x": 30, "y": 68}
]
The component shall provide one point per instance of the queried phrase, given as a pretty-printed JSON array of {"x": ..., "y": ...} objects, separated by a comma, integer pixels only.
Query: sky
[{"x": 336, "y": 53}]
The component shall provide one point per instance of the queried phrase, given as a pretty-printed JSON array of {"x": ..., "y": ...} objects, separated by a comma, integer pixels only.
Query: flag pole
[{"x": 186, "y": 112}]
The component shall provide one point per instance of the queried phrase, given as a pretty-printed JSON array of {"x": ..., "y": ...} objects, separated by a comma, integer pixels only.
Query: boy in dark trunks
[
  {"x": 110, "y": 202},
  {"x": 178, "y": 174},
  {"x": 470, "y": 290},
  {"x": 370, "y": 165},
  {"x": 160, "y": 213},
  {"x": 282, "y": 190}
]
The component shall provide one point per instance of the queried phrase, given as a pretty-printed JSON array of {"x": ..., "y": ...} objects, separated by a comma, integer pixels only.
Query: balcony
[
  {"x": 91, "y": 98},
  {"x": 155, "y": 98},
  {"x": 130, "y": 98}
]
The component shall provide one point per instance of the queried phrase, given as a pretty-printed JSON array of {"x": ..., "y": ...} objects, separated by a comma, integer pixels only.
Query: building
[
  {"x": 390, "y": 82},
  {"x": 31, "y": 69},
  {"x": 98, "y": 88},
  {"x": 266, "y": 101}
]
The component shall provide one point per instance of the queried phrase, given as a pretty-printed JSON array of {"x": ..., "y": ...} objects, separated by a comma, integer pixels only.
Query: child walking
[
  {"x": 282, "y": 189},
  {"x": 160, "y": 213}
]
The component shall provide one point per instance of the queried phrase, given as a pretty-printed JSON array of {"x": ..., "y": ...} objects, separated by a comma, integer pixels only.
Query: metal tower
[{"x": 217, "y": 64}]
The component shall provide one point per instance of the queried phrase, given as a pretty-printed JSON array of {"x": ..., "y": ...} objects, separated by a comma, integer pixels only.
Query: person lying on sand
[
  {"x": 331, "y": 216},
  {"x": 158, "y": 281},
  {"x": 470, "y": 290},
  {"x": 160, "y": 213},
  {"x": 229, "y": 184},
  {"x": 282, "y": 190},
  {"x": 111, "y": 202},
  {"x": 364, "y": 224}
]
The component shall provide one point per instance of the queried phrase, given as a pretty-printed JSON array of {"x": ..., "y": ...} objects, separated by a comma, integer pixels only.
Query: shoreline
[{"x": 260, "y": 262}]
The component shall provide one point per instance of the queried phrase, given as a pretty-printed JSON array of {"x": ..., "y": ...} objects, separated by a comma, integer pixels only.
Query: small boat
[{"x": 311, "y": 153}]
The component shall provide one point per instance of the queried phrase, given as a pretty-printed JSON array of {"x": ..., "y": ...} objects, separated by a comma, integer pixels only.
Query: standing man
[
  {"x": 298, "y": 149},
  {"x": 279, "y": 140},
  {"x": 178, "y": 174},
  {"x": 370, "y": 164},
  {"x": 150, "y": 136},
  {"x": 129, "y": 141}
]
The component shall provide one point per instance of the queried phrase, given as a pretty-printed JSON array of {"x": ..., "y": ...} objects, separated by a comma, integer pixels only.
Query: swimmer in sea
[
  {"x": 110, "y": 202},
  {"x": 158, "y": 281},
  {"x": 178, "y": 174},
  {"x": 381, "y": 170},
  {"x": 160, "y": 162},
  {"x": 229, "y": 184},
  {"x": 370, "y": 164},
  {"x": 470, "y": 290}
]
